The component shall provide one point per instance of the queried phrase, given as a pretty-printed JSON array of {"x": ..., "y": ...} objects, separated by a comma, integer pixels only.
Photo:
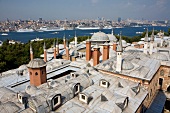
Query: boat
[
  {"x": 82, "y": 27},
  {"x": 107, "y": 27},
  {"x": 44, "y": 28},
  {"x": 25, "y": 30},
  {"x": 139, "y": 32},
  {"x": 4, "y": 34},
  {"x": 37, "y": 39}
]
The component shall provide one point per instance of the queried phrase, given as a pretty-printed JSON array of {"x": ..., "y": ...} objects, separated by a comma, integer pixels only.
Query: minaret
[
  {"x": 112, "y": 32},
  {"x": 119, "y": 55},
  {"x": 45, "y": 53},
  {"x": 96, "y": 55},
  {"x": 151, "y": 42},
  {"x": 88, "y": 50},
  {"x": 54, "y": 49},
  {"x": 31, "y": 52},
  {"x": 57, "y": 47},
  {"x": 67, "y": 51},
  {"x": 75, "y": 38},
  {"x": 64, "y": 41},
  {"x": 146, "y": 42},
  {"x": 105, "y": 51}
]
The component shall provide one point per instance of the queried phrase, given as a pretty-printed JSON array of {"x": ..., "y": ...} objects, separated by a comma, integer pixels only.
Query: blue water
[{"x": 25, "y": 37}]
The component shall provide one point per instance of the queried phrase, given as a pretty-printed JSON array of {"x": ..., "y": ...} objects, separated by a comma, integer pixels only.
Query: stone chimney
[
  {"x": 88, "y": 50},
  {"x": 67, "y": 51},
  {"x": 114, "y": 46},
  {"x": 45, "y": 53},
  {"x": 105, "y": 51},
  {"x": 54, "y": 49},
  {"x": 64, "y": 41},
  {"x": 31, "y": 52},
  {"x": 96, "y": 55},
  {"x": 57, "y": 47},
  {"x": 37, "y": 72}
]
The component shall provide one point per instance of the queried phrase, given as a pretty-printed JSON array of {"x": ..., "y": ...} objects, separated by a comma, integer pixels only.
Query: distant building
[{"x": 119, "y": 19}]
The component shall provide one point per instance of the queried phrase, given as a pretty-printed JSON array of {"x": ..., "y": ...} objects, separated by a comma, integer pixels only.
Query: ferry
[
  {"x": 25, "y": 30},
  {"x": 4, "y": 34},
  {"x": 82, "y": 27},
  {"x": 37, "y": 39},
  {"x": 139, "y": 32},
  {"x": 44, "y": 28},
  {"x": 107, "y": 27}
]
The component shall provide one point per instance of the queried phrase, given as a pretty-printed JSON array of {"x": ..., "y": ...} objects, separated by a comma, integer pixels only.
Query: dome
[
  {"x": 99, "y": 36},
  {"x": 126, "y": 65},
  {"x": 112, "y": 37},
  {"x": 36, "y": 63},
  {"x": 159, "y": 56}
]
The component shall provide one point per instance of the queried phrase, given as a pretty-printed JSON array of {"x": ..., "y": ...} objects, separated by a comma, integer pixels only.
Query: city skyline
[{"x": 84, "y": 9}]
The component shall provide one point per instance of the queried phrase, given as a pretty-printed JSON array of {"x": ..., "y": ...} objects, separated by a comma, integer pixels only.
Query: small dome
[
  {"x": 159, "y": 56},
  {"x": 36, "y": 63},
  {"x": 112, "y": 37},
  {"x": 99, "y": 36},
  {"x": 126, "y": 65}
]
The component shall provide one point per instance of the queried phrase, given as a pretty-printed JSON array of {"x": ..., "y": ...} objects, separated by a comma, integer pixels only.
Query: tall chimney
[
  {"x": 54, "y": 49},
  {"x": 67, "y": 51},
  {"x": 31, "y": 52},
  {"x": 57, "y": 47},
  {"x": 96, "y": 55},
  {"x": 114, "y": 46},
  {"x": 151, "y": 42},
  {"x": 105, "y": 51},
  {"x": 146, "y": 43},
  {"x": 64, "y": 41},
  {"x": 88, "y": 50},
  {"x": 45, "y": 53}
]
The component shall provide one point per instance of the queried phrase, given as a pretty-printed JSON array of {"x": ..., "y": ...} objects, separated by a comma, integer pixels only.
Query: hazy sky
[{"x": 84, "y": 9}]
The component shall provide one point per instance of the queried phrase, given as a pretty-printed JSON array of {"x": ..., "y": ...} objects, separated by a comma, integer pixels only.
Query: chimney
[
  {"x": 45, "y": 53},
  {"x": 67, "y": 51},
  {"x": 114, "y": 46},
  {"x": 119, "y": 55},
  {"x": 31, "y": 52},
  {"x": 54, "y": 49},
  {"x": 37, "y": 72},
  {"x": 88, "y": 50},
  {"x": 64, "y": 41},
  {"x": 105, "y": 51},
  {"x": 57, "y": 47},
  {"x": 96, "y": 55}
]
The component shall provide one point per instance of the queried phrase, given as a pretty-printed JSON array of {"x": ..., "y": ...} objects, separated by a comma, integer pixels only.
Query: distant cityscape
[{"x": 56, "y": 25}]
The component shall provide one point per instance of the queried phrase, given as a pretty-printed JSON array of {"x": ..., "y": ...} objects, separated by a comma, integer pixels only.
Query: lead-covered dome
[
  {"x": 126, "y": 65},
  {"x": 112, "y": 37},
  {"x": 36, "y": 63},
  {"x": 159, "y": 56},
  {"x": 99, "y": 36}
]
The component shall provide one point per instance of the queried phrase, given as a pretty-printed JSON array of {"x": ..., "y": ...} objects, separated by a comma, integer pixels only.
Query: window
[
  {"x": 56, "y": 101},
  {"x": 30, "y": 73},
  {"x": 160, "y": 81},
  {"x": 83, "y": 97},
  {"x": 36, "y": 73},
  {"x": 104, "y": 83},
  {"x": 42, "y": 72},
  {"x": 77, "y": 88}
]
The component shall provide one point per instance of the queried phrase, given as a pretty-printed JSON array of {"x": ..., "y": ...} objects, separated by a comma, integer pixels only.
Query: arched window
[
  {"x": 56, "y": 101},
  {"x": 36, "y": 73},
  {"x": 30, "y": 73}
]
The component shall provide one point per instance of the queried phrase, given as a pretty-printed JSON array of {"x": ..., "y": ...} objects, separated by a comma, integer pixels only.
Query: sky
[{"x": 84, "y": 9}]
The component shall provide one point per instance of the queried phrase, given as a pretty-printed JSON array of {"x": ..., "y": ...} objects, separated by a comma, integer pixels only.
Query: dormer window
[
  {"x": 23, "y": 98},
  {"x": 104, "y": 83},
  {"x": 136, "y": 89},
  {"x": 73, "y": 75},
  {"x": 56, "y": 101},
  {"x": 19, "y": 98},
  {"x": 84, "y": 97}
]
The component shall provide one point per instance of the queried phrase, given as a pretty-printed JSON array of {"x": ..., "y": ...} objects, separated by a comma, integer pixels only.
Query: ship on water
[
  {"x": 44, "y": 28},
  {"x": 25, "y": 30},
  {"x": 82, "y": 27}
]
